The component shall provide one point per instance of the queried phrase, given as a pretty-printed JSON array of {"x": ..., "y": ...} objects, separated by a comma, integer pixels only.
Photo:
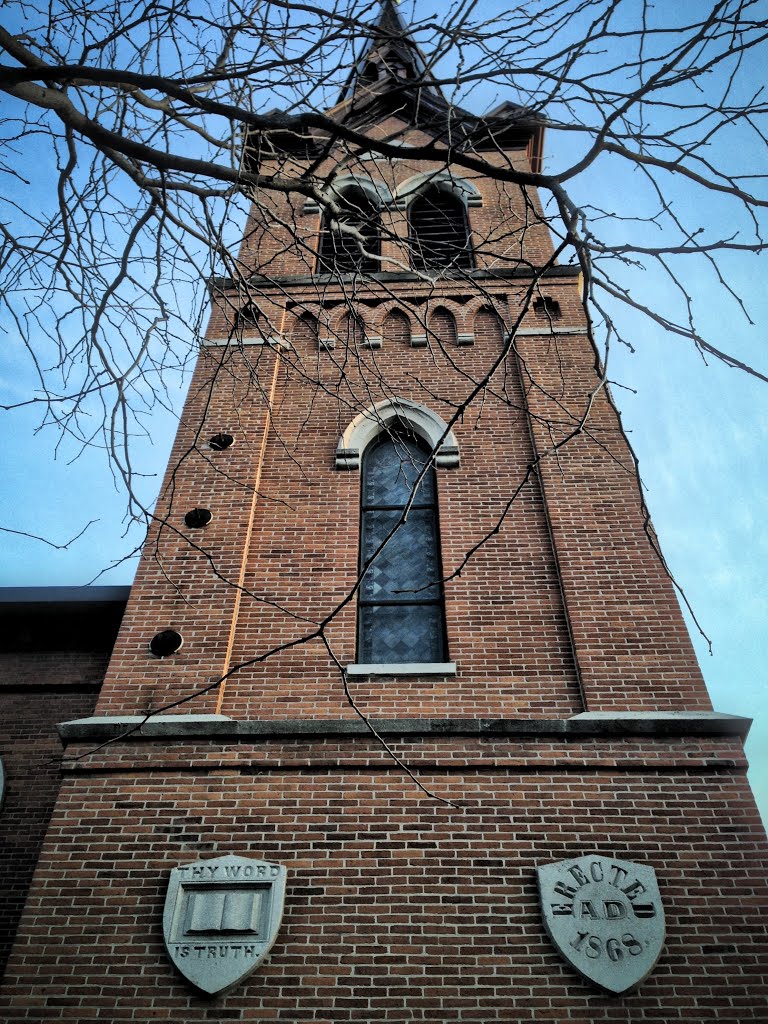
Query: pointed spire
[
  {"x": 390, "y": 58},
  {"x": 390, "y": 20}
]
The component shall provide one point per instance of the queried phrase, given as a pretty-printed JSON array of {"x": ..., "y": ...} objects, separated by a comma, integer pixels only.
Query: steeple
[
  {"x": 389, "y": 19},
  {"x": 376, "y": 428},
  {"x": 392, "y": 76},
  {"x": 391, "y": 62}
]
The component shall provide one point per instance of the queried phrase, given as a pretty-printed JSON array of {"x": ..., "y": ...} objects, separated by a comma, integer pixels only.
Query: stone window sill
[{"x": 411, "y": 668}]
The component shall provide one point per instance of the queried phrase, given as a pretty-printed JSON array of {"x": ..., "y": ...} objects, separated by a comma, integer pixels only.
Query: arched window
[
  {"x": 439, "y": 233},
  {"x": 401, "y": 613},
  {"x": 342, "y": 252}
]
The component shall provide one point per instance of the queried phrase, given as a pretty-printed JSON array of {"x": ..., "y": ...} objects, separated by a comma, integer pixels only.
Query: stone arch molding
[
  {"x": 393, "y": 411},
  {"x": 462, "y": 188},
  {"x": 374, "y": 188}
]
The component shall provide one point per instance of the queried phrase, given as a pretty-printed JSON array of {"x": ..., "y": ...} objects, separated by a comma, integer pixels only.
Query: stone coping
[
  {"x": 406, "y": 668},
  {"x": 567, "y": 270},
  {"x": 588, "y": 725}
]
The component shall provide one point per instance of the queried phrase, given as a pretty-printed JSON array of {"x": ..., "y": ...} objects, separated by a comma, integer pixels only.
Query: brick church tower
[{"x": 404, "y": 637}]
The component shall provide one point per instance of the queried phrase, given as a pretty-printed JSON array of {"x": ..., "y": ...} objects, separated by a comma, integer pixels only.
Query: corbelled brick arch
[
  {"x": 396, "y": 326},
  {"x": 442, "y": 329},
  {"x": 490, "y": 301},
  {"x": 304, "y": 330},
  {"x": 488, "y": 326},
  {"x": 348, "y": 329}
]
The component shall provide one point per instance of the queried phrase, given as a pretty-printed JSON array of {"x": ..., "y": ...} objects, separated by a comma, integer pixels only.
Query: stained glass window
[{"x": 401, "y": 615}]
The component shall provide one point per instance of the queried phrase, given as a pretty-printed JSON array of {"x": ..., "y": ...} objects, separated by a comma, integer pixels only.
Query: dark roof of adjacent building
[{"x": 60, "y": 618}]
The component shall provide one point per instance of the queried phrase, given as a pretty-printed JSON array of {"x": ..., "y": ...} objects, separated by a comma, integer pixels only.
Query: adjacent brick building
[
  {"x": 54, "y": 648},
  {"x": 525, "y": 690}
]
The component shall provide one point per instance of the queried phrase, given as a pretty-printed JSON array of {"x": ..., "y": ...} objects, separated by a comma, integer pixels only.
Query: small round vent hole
[
  {"x": 167, "y": 642},
  {"x": 197, "y": 518},
  {"x": 219, "y": 442}
]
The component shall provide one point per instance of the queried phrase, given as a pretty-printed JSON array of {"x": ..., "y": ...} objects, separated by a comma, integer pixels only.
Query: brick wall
[
  {"x": 564, "y": 605},
  {"x": 581, "y": 567},
  {"x": 54, "y": 649},
  {"x": 506, "y": 624},
  {"x": 30, "y": 749},
  {"x": 399, "y": 908}
]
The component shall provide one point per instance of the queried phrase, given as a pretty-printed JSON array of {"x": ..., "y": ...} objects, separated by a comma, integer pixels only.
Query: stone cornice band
[{"x": 588, "y": 725}]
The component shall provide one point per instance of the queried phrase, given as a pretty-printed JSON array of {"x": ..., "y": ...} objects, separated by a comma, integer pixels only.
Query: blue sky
[{"x": 701, "y": 433}]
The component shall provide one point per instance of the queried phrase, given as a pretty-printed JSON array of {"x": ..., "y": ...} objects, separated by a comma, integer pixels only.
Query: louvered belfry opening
[
  {"x": 341, "y": 252},
  {"x": 439, "y": 234}
]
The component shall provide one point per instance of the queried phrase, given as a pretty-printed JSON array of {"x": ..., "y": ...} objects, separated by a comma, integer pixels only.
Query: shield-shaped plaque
[
  {"x": 221, "y": 918},
  {"x": 605, "y": 917}
]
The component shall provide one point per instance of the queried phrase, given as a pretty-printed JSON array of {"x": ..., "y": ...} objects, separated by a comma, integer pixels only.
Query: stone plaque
[
  {"x": 605, "y": 917},
  {"x": 221, "y": 918}
]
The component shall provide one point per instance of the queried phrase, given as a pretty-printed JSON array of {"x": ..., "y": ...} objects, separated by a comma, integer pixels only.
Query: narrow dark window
[
  {"x": 370, "y": 73},
  {"x": 439, "y": 233},
  {"x": 342, "y": 252},
  {"x": 547, "y": 307},
  {"x": 249, "y": 318},
  {"x": 401, "y": 614}
]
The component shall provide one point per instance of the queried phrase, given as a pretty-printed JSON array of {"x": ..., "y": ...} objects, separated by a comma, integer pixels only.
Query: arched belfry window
[
  {"x": 342, "y": 252},
  {"x": 401, "y": 613},
  {"x": 439, "y": 232}
]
